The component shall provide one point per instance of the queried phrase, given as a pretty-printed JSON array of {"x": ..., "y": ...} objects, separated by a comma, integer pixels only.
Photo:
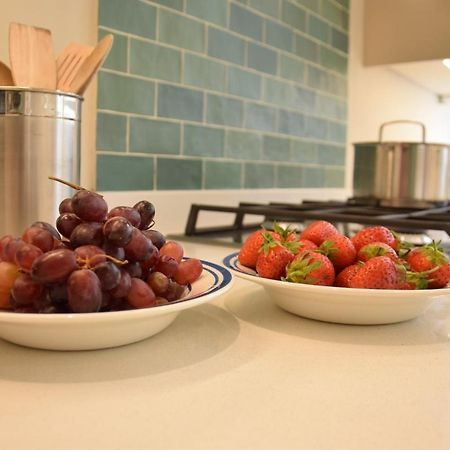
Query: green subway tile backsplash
[
  {"x": 137, "y": 18},
  {"x": 214, "y": 11},
  {"x": 154, "y": 136},
  {"x": 111, "y": 132},
  {"x": 223, "y": 94},
  {"x": 180, "y": 103},
  {"x": 124, "y": 173},
  {"x": 154, "y": 61},
  {"x": 125, "y": 94},
  {"x": 204, "y": 73},
  {"x": 178, "y": 173},
  {"x": 222, "y": 175},
  {"x": 181, "y": 31},
  {"x": 203, "y": 141}
]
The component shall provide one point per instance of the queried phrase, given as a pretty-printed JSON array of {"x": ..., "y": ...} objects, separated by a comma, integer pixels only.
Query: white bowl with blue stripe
[
  {"x": 342, "y": 305},
  {"x": 109, "y": 329}
]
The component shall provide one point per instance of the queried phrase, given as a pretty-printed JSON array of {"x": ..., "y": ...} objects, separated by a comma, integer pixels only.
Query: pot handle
[{"x": 380, "y": 134}]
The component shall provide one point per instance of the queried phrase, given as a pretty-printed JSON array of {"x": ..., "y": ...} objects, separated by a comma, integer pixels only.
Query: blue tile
[
  {"x": 243, "y": 21},
  {"x": 226, "y": 46},
  {"x": 262, "y": 58},
  {"x": 291, "y": 123},
  {"x": 224, "y": 111},
  {"x": 260, "y": 117}
]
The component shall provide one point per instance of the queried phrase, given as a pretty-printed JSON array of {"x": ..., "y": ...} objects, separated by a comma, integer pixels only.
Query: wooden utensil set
[{"x": 33, "y": 65}]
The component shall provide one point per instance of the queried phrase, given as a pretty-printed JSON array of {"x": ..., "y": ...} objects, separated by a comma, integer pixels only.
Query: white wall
[{"x": 68, "y": 20}]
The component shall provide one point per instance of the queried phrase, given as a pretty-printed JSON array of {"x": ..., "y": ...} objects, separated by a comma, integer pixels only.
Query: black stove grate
[{"x": 411, "y": 219}]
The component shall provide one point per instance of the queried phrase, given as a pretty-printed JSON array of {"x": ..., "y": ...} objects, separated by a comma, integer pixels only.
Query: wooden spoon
[
  {"x": 31, "y": 55},
  {"x": 5, "y": 75},
  {"x": 69, "y": 62},
  {"x": 90, "y": 65}
]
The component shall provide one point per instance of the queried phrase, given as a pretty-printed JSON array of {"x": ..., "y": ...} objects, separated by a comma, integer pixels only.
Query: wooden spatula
[
  {"x": 90, "y": 65},
  {"x": 5, "y": 75},
  {"x": 31, "y": 56},
  {"x": 69, "y": 62}
]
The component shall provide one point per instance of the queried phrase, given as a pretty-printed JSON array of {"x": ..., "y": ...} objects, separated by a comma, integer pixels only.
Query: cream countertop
[{"x": 238, "y": 373}]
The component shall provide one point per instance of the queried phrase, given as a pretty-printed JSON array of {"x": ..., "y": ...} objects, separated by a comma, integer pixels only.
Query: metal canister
[{"x": 39, "y": 137}]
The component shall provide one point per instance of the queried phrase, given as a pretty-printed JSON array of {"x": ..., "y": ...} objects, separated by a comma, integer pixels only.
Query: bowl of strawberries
[{"x": 371, "y": 278}]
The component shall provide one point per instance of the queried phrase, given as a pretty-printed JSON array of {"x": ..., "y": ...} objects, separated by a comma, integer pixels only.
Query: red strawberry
[
  {"x": 379, "y": 273},
  {"x": 249, "y": 252},
  {"x": 373, "y": 249},
  {"x": 373, "y": 234},
  {"x": 318, "y": 231},
  {"x": 310, "y": 268},
  {"x": 345, "y": 275},
  {"x": 305, "y": 244},
  {"x": 339, "y": 249},
  {"x": 273, "y": 259},
  {"x": 431, "y": 259}
]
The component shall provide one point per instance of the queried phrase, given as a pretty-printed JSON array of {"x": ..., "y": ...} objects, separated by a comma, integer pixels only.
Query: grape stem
[
  {"x": 67, "y": 183},
  {"x": 88, "y": 262}
]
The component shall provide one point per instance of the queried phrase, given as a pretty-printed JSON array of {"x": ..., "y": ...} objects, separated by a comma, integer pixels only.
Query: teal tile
[
  {"x": 276, "y": 149},
  {"x": 260, "y": 117},
  {"x": 331, "y": 155},
  {"x": 137, "y": 18},
  {"x": 337, "y": 132},
  {"x": 269, "y": 7},
  {"x": 344, "y": 3},
  {"x": 304, "y": 152},
  {"x": 124, "y": 173},
  {"x": 262, "y": 58},
  {"x": 204, "y": 73},
  {"x": 214, "y": 11},
  {"x": 180, "y": 103},
  {"x": 335, "y": 14},
  {"x": 313, "y": 5},
  {"x": 332, "y": 60},
  {"x": 339, "y": 40},
  {"x": 279, "y": 36},
  {"x": 243, "y": 145},
  {"x": 203, "y": 141},
  {"x": 222, "y": 175},
  {"x": 305, "y": 100},
  {"x": 318, "y": 78},
  {"x": 154, "y": 136},
  {"x": 334, "y": 177},
  {"x": 338, "y": 85},
  {"x": 318, "y": 29},
  {"x": 288, "y": 95},
  {"x": 293, "y": 15},
  {"x": 118, "y": 55},
  {"x": 126, "y": 94},
  {"x": 226, "y": 46},
  {"x": 292, "y": 69},
  {"x": 331, "y": 107},
  {"x": 244, "y": 83},
  {"x": 174, "y": 4},
  {"x": 244, "y": 22},
  {"x": 291, "y": 123},
  {"x": 313, "y": 177},
  {"x": 176, "y": 173},
  {"x": 181, "y": 31},
  {"x": 224, "y": 111},
  {"x": 154, "y": 61},
  {"x": 315, "y": 128},
  {"x": 306, "y": 48},
  {"x": 111, "y": 132},
  {"x": 289, "y": 176},
  {"x": 259, "y": 176}
]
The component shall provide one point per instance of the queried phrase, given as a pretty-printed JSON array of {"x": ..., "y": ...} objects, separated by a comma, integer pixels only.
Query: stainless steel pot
[{"x": 402, "y": 173}]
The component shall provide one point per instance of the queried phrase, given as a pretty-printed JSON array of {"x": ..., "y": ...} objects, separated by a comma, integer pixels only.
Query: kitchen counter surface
[{"x": 238, "y": 373}]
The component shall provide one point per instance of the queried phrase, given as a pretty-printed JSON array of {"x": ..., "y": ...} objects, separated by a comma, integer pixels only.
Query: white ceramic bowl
[
  {"x": 109, "y": 329},
  {"x": 342, "y": 305}
]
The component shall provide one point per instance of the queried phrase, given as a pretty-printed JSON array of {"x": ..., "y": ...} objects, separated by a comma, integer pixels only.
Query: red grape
[
  {"x": 84, "y": 291},
  {"x": 87, "y": 233},
  {"x": 158, "y": 282},
  {"x": 130, "y": 214},
  {"x": 108, "y": 274},
  {"x": 147, "y": 211},
  {"x": 8, "y": 273},
  {"x": 188, "y": 271},
  {"x": 118, "y": 231},
  {"x": 66, "y": 223},
  {"x": 167, "y": 265},
  {"x": 26, "y": 255},
  {"x": 173, "y": 249},
  {"x": 121, "y": 290},
  {"x": 46, "y": 226},
  {"x": 156, "y": 237},
  {"x": 90, "y": 254},
  {"x": 139, "y": 247},
  {"x": 140, "y": 294},
  {"x": 54, "y": 266},
  {"x": 25, "y": 290},
  {"x": 66, "y": 206},
  {"x": 89, "y": 206},
  {"x": 39, "y": 237}
]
